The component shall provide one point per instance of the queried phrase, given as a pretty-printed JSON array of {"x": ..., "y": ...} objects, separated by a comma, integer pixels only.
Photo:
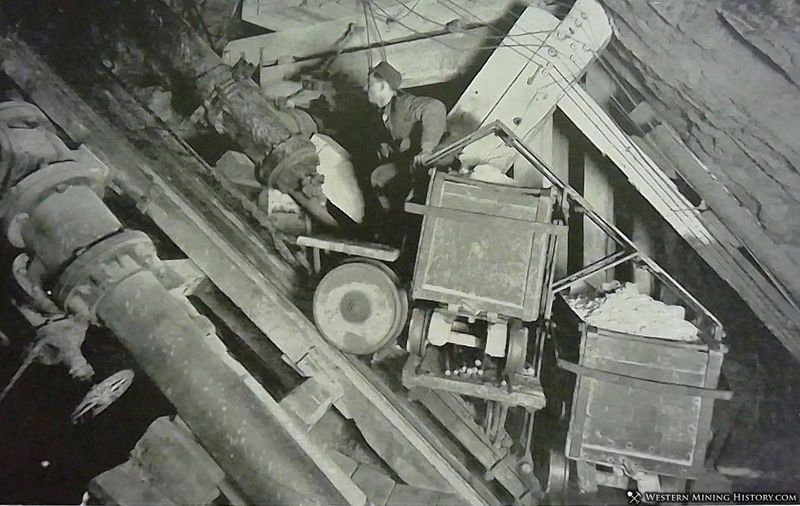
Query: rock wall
[{"x": 723, "y": 73}]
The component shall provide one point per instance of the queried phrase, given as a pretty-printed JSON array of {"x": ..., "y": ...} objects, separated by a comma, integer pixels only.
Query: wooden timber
[
  {"x": 187, "y": 208},
  {"x": 285, "y": 15},
  {"x": 598, "y": 190},
  {"x": 435, "y": 58},
  {"x": 348, "y": 33},
  {"x": 560, "y": 166},
  {"x": 543, "y": 58}
]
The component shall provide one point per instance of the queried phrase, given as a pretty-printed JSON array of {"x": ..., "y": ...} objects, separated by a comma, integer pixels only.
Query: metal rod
[{"x": 608, "y": 262}]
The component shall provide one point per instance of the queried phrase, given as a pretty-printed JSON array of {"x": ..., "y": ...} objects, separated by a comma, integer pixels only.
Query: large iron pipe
[
  {"x": 65, "y": 222},
  {"x": 113, "y": 275},
  {"x": 214, "y": 401}
]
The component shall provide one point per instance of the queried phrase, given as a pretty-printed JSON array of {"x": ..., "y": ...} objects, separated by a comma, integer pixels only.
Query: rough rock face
[
  {"x": 723, "y": 73},
  {"x": 772, "y": 27}
]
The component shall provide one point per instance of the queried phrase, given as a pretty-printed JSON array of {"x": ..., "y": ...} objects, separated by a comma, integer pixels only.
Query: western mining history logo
[{"x": 636, "y": 497}]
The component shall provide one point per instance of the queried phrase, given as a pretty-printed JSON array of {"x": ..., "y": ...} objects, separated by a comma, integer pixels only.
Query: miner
[{"x": 415, "y": 127}]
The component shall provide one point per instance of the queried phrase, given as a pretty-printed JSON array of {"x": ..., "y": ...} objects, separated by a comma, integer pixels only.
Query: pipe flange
[
  {"x": 101, "y": 267},
  {"x": 35, "y": 188},
  {"x": 20, "y": 114}
]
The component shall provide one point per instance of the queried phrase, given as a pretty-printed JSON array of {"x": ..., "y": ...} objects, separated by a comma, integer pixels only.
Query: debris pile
[{"x": 626, "y": 310}]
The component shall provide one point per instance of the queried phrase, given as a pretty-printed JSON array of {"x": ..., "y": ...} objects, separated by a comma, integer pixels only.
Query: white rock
[
  {"x": 626, "y": 310},
  {"x": 340, "y": 186}
]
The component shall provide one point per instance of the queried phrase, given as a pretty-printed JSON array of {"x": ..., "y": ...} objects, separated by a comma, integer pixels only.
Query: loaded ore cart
[
  {"x": 481, "y": 306},
  {"x": 489, "y": 321},
  {"x": 482, "y": 276}
]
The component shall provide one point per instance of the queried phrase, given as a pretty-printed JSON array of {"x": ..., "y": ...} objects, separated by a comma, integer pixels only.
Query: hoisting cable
[{"x": 366, "y": 27}]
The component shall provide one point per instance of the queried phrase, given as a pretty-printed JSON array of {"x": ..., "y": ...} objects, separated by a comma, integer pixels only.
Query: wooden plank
[
  {"x": 599, "y": 192},
  {"x": 645, "y": 176},
  {"x": 429, "y": 60},
  {"x": 541, "y": 63},
  {"x": 348, "y": 33},
  {"x": 598, "y": 188},
  {"x": 377, "y": 485},
  {"x": 288, "y": 14},
  {"x": 644, "y": 239},
  {"x": 541, "y": 143},
  {"x": 177, "y": 464},
  {"x": 126, "y": 485},
  {"x": 560, "y": 166},
  {"x": 309, "y": 401},
  {"x": 213, "y": 251}
]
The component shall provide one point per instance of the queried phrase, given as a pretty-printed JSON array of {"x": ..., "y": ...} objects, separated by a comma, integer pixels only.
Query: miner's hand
[
  {"x": 384, "y": 151},
  {"x": 421, "y": 158}
]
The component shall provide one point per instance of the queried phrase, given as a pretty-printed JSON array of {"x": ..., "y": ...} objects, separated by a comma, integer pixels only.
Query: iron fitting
[
  {"x": 20, "y": 201},
  {"x": 95, "y": 272}
]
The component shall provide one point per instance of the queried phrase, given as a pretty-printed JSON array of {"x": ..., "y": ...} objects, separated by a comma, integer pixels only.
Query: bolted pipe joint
[{"x": 32, "y": 208}]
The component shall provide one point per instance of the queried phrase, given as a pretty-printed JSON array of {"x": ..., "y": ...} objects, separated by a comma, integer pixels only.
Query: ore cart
[
  {"x": 641, "y": 406},
  {"x": 481, "y": 279}
]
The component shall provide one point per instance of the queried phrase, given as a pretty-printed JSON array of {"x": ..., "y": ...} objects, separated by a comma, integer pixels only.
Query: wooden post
[
  {"x": 560, "y": 165},
  {"x": 599, "y": 193},
  {"x": 644, "y": 239},
  {"x": 597, "y": 187},
  {"x": 541, "y": 142}
]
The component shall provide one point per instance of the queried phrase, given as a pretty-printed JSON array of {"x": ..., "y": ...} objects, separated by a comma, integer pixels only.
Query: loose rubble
[{"x": 627, "y": 310}]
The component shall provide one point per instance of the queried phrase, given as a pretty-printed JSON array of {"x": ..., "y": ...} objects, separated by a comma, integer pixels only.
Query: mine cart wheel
[
  {"x": 418, "y": 330},
  {"x": 517, "y": 346},
  {"x": 360, "y": 306},
  {"x": 557, "y": 475}
]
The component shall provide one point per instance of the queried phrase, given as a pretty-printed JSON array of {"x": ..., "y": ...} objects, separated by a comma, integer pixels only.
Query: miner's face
[{"x": 378, "y": 90}]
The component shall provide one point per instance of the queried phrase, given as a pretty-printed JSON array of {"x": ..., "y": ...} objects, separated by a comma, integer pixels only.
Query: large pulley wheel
[
  {"x": 517, "y": 346},
  {"x": 360, "y": 307},
  {"x": 418, "y": 331}
]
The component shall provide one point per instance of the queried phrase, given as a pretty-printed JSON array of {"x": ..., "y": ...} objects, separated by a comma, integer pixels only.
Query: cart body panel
[
  {"x": 643, "y": 404},
  {"x": 485, "y": 247}
]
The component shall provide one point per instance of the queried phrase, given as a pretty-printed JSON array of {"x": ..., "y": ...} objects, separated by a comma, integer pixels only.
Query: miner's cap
[{"x": 388, "y": 74}]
